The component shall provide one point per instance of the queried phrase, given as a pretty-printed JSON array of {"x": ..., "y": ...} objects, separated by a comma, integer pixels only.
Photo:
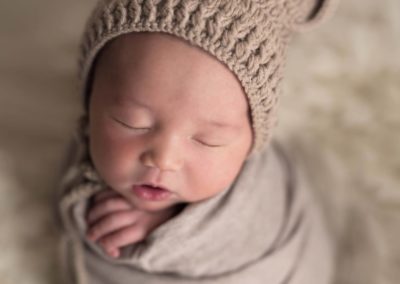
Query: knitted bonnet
[{"x": 249, "y": 36}]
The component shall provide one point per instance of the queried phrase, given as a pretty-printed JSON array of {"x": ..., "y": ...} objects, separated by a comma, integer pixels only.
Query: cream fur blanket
[{"x": 264, "y": 228}]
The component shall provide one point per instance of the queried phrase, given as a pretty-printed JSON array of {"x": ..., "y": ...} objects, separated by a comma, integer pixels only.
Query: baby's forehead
[
  {"x": 156, "y": 62},
  {"x": 164, "y": 80},
  {"x": 160, "y": 50}
]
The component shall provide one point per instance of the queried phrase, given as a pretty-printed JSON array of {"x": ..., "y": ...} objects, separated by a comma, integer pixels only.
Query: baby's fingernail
[
  {"x": 112, "y": 252},
  {"x": 115, "y": 253}
]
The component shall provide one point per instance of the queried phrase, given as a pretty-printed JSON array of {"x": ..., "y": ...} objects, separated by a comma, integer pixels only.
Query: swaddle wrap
[{"x": 264, "y": 228}]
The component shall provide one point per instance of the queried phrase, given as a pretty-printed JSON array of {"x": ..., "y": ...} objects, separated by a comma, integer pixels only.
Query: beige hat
[{"x": 249, "y": 36}]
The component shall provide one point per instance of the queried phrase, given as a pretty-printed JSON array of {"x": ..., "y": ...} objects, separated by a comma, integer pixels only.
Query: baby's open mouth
[
  {"x": 151, "y": 192},
  {"x": 154, "y": 187}
]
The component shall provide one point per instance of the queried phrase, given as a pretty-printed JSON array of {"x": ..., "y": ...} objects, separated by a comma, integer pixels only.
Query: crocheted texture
[{"x": 249, "y": 36}]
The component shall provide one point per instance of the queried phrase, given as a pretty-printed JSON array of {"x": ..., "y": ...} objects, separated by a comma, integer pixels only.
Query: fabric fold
[{"x": 256, "y": 230}]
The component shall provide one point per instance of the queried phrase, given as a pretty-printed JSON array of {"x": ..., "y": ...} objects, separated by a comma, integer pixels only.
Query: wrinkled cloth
[{"x": 264, "y": 228}]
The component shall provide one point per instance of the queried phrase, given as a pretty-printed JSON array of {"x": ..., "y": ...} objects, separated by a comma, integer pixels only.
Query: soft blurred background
[{"x": 341, "y": 98}]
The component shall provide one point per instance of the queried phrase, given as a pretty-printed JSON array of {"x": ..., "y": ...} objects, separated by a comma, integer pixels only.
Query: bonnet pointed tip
[{"x": 318, "y": 12}]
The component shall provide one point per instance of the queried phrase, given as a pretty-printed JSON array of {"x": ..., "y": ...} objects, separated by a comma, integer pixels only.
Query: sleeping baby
[{"x": 172, "y": 176}]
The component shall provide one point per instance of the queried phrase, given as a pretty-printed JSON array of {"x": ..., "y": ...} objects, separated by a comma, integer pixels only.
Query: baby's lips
[{"x": 153, "y": 184}]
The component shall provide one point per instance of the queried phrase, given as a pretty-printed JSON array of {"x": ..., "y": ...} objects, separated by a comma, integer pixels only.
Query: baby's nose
[{"x": 164, "y": 154}]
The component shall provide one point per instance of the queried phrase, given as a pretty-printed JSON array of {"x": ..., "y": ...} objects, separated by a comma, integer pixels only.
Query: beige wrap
[{"x": 264, "y": 228}]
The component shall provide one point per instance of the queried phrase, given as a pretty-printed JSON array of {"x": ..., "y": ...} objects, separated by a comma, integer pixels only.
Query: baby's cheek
[
  {"x": 213, "y": 177},
  {"x": 229, "y": 168},
  {"x": 118, "y": 164},
  {"x": 104, "y": 157}
]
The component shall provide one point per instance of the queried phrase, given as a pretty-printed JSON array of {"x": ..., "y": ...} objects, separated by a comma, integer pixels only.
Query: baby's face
[{"x": 165, "y": 112}]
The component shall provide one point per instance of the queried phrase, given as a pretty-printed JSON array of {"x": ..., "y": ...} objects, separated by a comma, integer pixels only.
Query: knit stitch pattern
[{"x": 249, "y": 36}]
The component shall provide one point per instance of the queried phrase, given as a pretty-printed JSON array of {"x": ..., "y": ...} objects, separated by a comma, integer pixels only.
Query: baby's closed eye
[{"x": 210, "y": 142}]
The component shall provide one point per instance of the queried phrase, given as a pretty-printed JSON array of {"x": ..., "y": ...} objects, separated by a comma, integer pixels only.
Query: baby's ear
[{"x": 306, "y": 14}]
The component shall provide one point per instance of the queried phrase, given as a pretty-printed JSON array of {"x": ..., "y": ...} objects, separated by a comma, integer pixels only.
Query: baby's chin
[{"x": 155, "y": 206}]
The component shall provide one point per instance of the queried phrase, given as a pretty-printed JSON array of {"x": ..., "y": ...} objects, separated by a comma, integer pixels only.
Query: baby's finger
[
  {"x": 111, "y": 223},
  {"x": 113, "y": 252},
  {"x": 106, "y": 207},
  {"x": 126, "y": 236}
]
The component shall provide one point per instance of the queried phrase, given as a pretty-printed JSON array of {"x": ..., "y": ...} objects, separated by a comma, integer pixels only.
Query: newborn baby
[
  {"x": 172, "y": 176},
  {"x": 169, "y": 125}
]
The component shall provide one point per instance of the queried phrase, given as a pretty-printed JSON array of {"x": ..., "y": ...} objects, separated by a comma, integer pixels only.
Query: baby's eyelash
[
  {"x": 209, "y": 145},
  {"x": 130, "y": 127},
  {"x": 148, "y": 128}
]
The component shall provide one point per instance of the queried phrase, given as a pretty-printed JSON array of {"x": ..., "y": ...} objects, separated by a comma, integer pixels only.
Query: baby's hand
[{"x": 113, "y": 222}]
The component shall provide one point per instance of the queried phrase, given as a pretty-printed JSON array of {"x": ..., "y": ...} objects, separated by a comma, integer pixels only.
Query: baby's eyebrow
[
  {"x": 208, "y": 121},
  {"x": 131, "y": 101},
  {"x": 218, "y": 124}
]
